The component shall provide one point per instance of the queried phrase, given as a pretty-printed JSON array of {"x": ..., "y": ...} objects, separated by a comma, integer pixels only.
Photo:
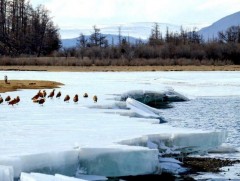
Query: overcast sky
[{"x": 76, "y": 13}]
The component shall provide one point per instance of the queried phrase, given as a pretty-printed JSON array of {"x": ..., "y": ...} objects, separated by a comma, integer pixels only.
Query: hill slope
[{"x": 223, "y": 24}]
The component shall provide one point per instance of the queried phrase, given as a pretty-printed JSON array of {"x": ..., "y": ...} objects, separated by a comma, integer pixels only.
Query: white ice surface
[
  {"x": 28, "y": 177},
  {"x": 45, "y": 177},
  {"x": 57, "y": 177},
  {"x": 31, "y": 135},
  {"x": 90, "y": 177},
  {"x": 141, "y": 109},
  {"x": 6, "y": 173},
  {"x": 65, "y": 178}
]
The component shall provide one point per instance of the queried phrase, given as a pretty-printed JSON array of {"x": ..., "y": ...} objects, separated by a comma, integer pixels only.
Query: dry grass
[
  {"x": 121, "y": 68},
  {"x": 73, "y": 64},
  {"x": 73, "y": 61},
  {"x": 14, "y": 85}
]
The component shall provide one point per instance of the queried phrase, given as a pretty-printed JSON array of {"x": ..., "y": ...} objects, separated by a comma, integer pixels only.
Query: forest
[
  {"x": 25, "y": 30},
  {"x": 30, "y": 32},
  {"x": 171, "y": 48}
]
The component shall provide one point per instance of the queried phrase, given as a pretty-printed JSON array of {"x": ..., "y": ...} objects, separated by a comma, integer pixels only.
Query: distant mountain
[
  {"x": 112, "y": 39},
  {"x": 142, "y": 30},
  {"x": 134, "y": 31},
  {"x": 223, "y": 24},
  {"x": 137, "y": 30}
]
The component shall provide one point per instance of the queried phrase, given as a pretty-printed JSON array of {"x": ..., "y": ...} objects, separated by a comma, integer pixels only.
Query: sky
[{"x": 76, "y": 13}]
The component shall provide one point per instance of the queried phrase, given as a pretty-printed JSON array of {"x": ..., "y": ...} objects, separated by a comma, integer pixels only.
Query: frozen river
[{"x": 30, "y": 129}]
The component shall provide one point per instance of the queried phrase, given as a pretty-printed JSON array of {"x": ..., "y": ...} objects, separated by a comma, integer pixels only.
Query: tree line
[
  {"x": 187, "y": 45},
  {"x": 25, "y": 30}
]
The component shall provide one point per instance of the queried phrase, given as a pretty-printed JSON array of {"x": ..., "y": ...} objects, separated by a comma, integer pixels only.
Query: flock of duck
[{"x": 41, "y": 95}]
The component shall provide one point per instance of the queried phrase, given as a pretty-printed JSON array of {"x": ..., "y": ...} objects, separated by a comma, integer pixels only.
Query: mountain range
[
  {"x": 112, "y": 39},
  {"x": 135, "y": 31},
  {"x": 223, "y": 24},
  {"x": 132, "y": 32}
]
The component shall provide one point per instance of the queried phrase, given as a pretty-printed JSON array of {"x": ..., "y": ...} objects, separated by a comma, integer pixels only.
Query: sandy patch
[{"x": 14, "y": 85}]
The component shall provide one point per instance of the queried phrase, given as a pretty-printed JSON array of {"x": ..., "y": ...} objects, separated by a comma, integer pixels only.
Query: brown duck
[
  {"x": 58, "y": 94},
  {"x": 67, "y": 98},
  {"x": 8, "y": 98},
  {"x": 41, "y": 101},
  {"x": 51, "y": 94},
  {"x": 75, "y": 99},
  {"x": 1, "y": 100},
  {"x": 12, "y": 102},
  {"x": 95, "y": 98}
]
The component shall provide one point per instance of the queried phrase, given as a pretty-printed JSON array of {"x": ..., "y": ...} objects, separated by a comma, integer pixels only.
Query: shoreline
[
  {"x": 194, "y": 164},
  {"x": 120, "y": 68}
]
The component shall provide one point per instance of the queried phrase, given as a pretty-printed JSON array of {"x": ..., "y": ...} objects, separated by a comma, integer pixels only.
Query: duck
[
  {"x": 44, "y": 93},
  {"x": 58, "y": 94},
  {"x": 17, "y": 99},
  {"x": 67, "y": 98},
  {"x": 8, "y": 98},
  {"x": 41, "y": 101},
  {"x": 75, "y": 99},
  {"x": 85, "y": 95},
  {"x": 95, "y": 98},
  {"x": 37, "y": 95},
  {"x": 1, "y": 99},
  {"x": 51, "y": 94},
  {"x": 12, "y": 102}
]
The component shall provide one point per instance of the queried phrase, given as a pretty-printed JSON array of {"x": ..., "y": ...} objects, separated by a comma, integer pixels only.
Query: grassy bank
[{"x": 120, "y": 68}]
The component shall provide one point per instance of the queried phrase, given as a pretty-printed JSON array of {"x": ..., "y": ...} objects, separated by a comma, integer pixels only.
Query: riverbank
[
  {"x": 120, "y": 68},
  {"x": 194, "y": 164},
  {"x": 14, "y": 85}
]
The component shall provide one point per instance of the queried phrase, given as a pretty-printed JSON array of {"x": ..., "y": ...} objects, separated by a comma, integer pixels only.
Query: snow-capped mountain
[
  {"x": 134, "y": 31},
  {"x": 223, "y": 24},
  {"x": 142, "y": 30}
]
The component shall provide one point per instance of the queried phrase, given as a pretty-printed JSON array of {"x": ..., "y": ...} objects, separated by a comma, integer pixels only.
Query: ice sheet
[
  {"x": 45, "y": 177},
  {"x": 6, "y": 173},
  {"x": 141, "y": 109},
  {"x": 30, "y": 132},
  {"x": 90, "y": 177},
  {"x": 118, "y": 161}
]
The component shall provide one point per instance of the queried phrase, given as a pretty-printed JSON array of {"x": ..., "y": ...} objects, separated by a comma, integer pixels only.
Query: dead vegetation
[
  {"x": 207, "y": 164},
  {"x": 87, "y": 65}
]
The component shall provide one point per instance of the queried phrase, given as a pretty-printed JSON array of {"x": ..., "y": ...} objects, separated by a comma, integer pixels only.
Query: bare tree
[
  {"x": 156, "y": 36},
  {"x": 82, "y": 44},
  {"x": 24, "y": 30},
  {"x": 82, "y": 41},
  {"x": 97, "y": 39},
  {"x": 231, "y": 35},
  {"x": 119, "y": 36}
]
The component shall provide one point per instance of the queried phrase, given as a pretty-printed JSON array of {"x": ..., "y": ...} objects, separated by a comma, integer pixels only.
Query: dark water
[{"x": 206, "y": 113}]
